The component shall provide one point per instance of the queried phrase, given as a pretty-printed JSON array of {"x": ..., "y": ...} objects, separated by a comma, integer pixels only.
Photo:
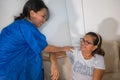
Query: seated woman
[{"x": 88, "y": 61}]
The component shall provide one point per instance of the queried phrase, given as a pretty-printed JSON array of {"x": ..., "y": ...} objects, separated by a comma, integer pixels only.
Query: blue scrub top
[{"x": 21, "y": 44}]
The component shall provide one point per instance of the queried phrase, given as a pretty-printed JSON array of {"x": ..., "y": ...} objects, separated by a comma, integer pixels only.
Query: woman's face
[
  {"x": 38, "y": 18},
  {"x": 87, "y": 45}
]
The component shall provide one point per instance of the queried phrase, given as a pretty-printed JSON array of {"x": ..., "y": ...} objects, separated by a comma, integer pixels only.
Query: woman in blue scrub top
[{"x": 22, "y": 44}]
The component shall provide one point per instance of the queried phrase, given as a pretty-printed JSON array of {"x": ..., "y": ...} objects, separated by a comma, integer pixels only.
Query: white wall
[
  {"x": 67, "y": 22},
  {"x": 9, "y": 9},
  {"x": 65, "y": 26},
  {"x": 56, "y": 28},
  {"x": 103, "y": 16}
]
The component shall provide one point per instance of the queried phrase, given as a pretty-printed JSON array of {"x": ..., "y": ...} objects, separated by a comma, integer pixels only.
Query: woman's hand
[
  {"x": 54, "y": 72},
  {"x": 54, "y": 67}
]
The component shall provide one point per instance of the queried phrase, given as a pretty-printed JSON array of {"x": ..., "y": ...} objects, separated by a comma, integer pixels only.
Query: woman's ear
[{"x": 95, "y": 47}]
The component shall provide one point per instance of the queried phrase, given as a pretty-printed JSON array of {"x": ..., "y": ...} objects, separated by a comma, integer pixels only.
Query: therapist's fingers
[{"x": 68, "y": 48}]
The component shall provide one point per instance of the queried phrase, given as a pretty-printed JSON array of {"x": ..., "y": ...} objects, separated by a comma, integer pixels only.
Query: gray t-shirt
[{"x": 82, "y": 69}]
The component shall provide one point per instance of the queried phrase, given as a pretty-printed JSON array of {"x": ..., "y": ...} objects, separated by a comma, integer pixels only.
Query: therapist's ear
[{"x": 32, "y": 13}]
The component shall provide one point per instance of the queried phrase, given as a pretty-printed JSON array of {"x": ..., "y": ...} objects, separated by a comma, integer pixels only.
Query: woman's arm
[
  {"x": 54, "y": 67},
  {"x": 98, "y": 74},
  {"x": 54, "y": 49}
]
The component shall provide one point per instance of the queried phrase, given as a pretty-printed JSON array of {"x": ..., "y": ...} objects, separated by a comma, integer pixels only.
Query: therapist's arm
[{"x": 51, "y": 48}]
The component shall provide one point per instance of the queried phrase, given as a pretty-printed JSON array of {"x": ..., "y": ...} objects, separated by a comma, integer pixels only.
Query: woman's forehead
[{"x": 88, "y": 37}]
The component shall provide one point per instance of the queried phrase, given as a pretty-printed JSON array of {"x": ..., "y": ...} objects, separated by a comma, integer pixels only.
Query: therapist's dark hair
[{"x": 35, "y": 5}]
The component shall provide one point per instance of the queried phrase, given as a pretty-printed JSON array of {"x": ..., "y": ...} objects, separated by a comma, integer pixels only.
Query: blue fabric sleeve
[{"x": 35, "y": 39}]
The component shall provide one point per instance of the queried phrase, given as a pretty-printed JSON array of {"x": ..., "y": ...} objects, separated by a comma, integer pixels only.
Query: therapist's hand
[{"x": 67, "y": 48}]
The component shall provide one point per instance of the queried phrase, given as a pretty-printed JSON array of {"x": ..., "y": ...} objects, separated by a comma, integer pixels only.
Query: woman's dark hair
[
  {"x": 35, "y": 5},
  {"x": 97, "y": 40}
]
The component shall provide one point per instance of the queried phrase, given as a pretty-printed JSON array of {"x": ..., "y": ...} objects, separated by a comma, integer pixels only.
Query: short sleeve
[
  {"x": 72, "y": 55},
  {"x": 99, "y": 62},
  {"x": 35, "y": 39}
]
